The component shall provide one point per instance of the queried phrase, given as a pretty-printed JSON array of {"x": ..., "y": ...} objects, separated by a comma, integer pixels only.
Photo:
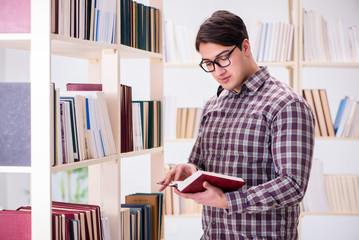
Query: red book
[
  {"x": 15, "y": 225},
  {"x": 15, "y": 16},
  {"x": 194, "y": 183},
  {"x": 84, "y": 87}
]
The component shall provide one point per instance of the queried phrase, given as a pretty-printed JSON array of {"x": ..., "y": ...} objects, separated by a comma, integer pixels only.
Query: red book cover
[
  {"x": 84, "y": 87},
  {"x": 15, "y": 16},
  {"x": 15, "y": 225},
  {"x": 194, "y": 183}
]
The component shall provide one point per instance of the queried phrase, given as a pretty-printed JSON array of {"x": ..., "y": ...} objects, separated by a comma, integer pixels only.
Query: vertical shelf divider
[{"x": 41, "y": 128}]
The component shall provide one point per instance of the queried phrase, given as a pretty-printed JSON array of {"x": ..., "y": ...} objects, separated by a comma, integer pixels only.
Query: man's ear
[{"x": 246, "y": 47}]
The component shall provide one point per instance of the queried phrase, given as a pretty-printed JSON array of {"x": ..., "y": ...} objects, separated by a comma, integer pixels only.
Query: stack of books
[
  {"x": 273, "y": 42},
  {"x": 69, "y": 221},
  {"x": 318, "y": 100},
  {"x": 82, "y": 124},
  {"x": 140, "y": 26},
  {"x": 144, "y": 216}
]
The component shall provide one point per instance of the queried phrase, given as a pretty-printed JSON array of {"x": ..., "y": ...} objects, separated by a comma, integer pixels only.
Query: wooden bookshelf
[{"x": 103, "y": 67}]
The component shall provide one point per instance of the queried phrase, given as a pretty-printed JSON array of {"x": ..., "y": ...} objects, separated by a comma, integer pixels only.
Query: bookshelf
[
  {"x": 337, "y": 152},
  {"x": 103, "y": 67}
]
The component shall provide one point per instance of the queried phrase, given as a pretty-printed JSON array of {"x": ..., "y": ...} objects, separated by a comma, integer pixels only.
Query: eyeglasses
[{"x": 222, "y": 61}]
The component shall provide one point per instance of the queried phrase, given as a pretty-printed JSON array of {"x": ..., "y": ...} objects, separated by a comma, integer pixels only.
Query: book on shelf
[
  {"x": 83, "y": 126},
  {"x": 15, "y": 225},
  {"x": 342, "y": 191},
  {"x": 178, "y": 43},
  {"x": 69, "y": 221},
  {"x": 188, "y": 120},
  {"x": 87, "y": 20},
  {"x": 143, "y": 213},
  {"x": 346, "y": 122},
  {"x": 84, "y": 87},
  {"x": 15, "y": 16},
  {"x": 318, "y": 100},
  {"x": 194, "y": 183},
  {"x": 273, "y": 42},
  {"x": 15, "y": 129},
  {"x": 315, "y": 199},
  {"x": 327, "y": 40},
  {"x": 155, "y": 200},
  {"x": 140, "y": 26}
]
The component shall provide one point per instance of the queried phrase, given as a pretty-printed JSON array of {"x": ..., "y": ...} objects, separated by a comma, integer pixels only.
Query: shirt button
[
  {"x": 229, "y": 114},
  {"x": 218, "y": 156},
  {"x": 221, "y": 134},
  {"x": 213, "y": 224}
]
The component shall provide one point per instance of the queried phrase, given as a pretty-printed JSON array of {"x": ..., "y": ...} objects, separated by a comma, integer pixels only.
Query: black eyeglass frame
[{"x": 215, "y": 62}]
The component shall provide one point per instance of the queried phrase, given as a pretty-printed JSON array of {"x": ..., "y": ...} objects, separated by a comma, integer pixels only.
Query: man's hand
[
  {"x": 179, "y": 173},
  {"x": 212, "y": 196}
]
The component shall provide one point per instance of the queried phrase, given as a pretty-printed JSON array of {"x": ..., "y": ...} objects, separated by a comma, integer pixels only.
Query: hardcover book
[{"x": 194, "y": 183}]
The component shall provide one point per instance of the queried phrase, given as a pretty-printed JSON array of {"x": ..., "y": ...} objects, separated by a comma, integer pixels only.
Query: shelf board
[
  {"x": 84, "y": 163},
  {"x": 194, "y": 65},
  {"x": 142, "y": 152},
  {"x": 74, "y": 47},
  {"x": 184, "y": 216},
  {"x": 337, "y": 138},
  {"x": 130, "y": 52},
  {"x": 180, "y": 139},
  {"x": 327, "y": 214},
  {"x": 15, "y": 169},
  {"x": 182, "y": 65},
  {"x": 15, "y": 40},
  {"x": 277, "y": 64},
  {"x": 331, "y": 64}
]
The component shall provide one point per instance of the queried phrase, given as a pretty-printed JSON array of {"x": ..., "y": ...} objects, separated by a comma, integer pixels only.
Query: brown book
[
  {"x": 320, "y": 113},
  {"x": 178, "y": 123},
  {"x": 309, "y": 98},
  {"x": 84, "y": 87},
  {"x": 191, "y": 114},
  {"x": 183, "y": 122},
  {"x": 326, "y": 110}
]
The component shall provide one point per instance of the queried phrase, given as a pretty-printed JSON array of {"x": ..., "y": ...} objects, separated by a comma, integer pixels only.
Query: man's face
[{"x": 232, "y": 76}]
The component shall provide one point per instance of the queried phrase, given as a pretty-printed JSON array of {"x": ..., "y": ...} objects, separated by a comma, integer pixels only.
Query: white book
[
  {"x": 262, "y": 42},
  {"x": 290, "y": 43},
  {"x": 266, "y": 55}
]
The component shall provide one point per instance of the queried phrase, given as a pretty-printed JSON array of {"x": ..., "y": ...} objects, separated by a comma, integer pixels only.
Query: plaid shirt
[{"x": 265, "y": 135}]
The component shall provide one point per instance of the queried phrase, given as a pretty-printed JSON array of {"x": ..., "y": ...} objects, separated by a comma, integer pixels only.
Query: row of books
[
  {"x": 179, "y": 44},
  {"x": 140, "y": 26},
  {"x": 69, "y": 221},
  {"x": 176, "y": 205},
  {"x": 328, "y": 40},
  {"x": 330, "y": 193},
  {"x": 318, "y": 100},
  {"x": 143, "y": 217},
  {"x": 140, "y": 122},
  {"x": 273, "y": 42},
  {"x": 188, "y": 120},
  {"x": 92, "y": 20},
  {"x": 346, "y": 122},
  {"x": 82, "y": 125}
]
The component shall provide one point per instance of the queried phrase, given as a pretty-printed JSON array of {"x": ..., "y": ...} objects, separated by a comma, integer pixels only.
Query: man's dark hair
[{"x": 224, "y": 28}]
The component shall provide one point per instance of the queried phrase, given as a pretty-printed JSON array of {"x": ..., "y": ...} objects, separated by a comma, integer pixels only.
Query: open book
[{"x": 194, "y": 183}]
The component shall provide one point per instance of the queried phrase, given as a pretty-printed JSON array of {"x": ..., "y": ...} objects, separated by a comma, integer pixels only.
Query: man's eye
[
  {"x": 221, "y": 58},
  {"x": 208, "y": 63}
]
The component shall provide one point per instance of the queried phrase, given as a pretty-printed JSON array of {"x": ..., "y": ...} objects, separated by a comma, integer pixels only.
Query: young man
[{"x": 256, "y": 128}]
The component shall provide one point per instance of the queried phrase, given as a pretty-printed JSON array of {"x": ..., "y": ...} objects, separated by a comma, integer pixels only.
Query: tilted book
[{"x": 194, "y": 183}]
